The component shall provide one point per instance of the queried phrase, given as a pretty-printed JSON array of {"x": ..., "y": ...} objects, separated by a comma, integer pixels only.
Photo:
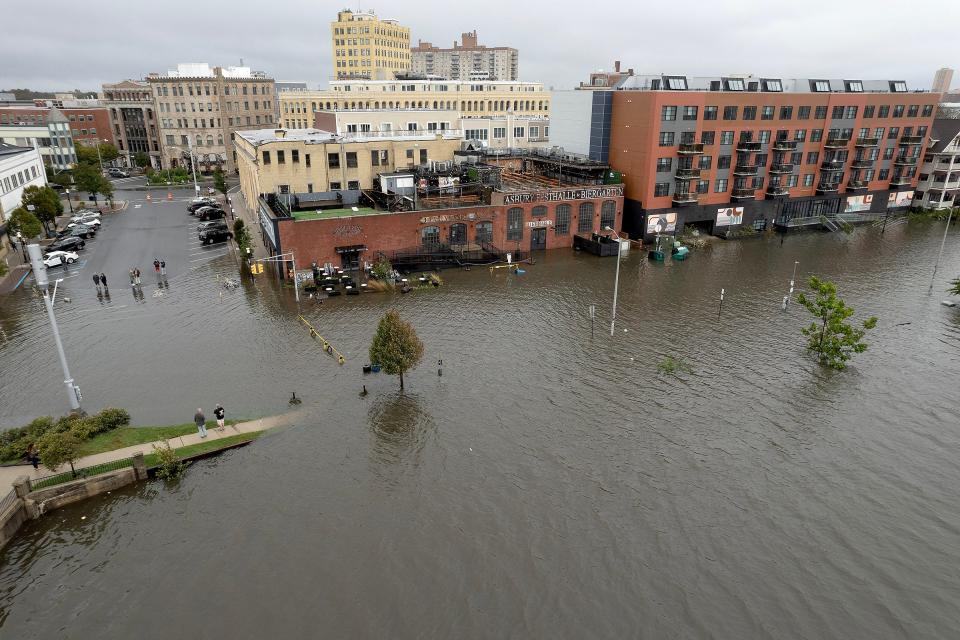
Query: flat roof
[
  {"x": 323, "y": 214},
  {"x": 12, "y": 149},
  {"x": 258, "y": 137}
]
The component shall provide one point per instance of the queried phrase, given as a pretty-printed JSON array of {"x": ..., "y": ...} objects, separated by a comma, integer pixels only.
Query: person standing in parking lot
[
  {"x": 156, "y": 267},
  {"x": 163, "y": 267},
  {"x": 96, "y": 281},
  {"x": 136, "y": 276},
  {"x": 103, "y": 280}
]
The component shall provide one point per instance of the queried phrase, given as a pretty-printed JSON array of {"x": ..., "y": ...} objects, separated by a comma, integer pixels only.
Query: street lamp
[
  {"x": 23, "y": 245},
  {"x": 616, "y": 279},
  {"x": 69, "y": 202}
]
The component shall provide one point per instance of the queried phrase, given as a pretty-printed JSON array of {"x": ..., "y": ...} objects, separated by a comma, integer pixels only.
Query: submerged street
[{"x": 548, "y": 484}]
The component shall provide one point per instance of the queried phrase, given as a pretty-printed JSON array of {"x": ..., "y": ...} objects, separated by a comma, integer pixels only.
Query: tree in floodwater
[
  {"x": 954, "y": 287},
  {"x": 829, "y": 336},
  {"x": 395, "y": 347}
]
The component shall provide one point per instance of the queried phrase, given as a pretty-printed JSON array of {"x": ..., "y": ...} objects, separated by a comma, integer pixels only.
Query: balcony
[
  {"x": 911, "y": 139},
  {"x": 900, "y": 181},
  {"x": 744, "y": 193},
  {"x": 781, "y": 167},
  {"x": 746, "y": 169},
  {"x": 856, "y": 185},
  {"x": 828, "y": 187},
  {"x": 687, "y": 173},
  {"x": 777, "y": 191},
  {"x": 831, "y": 165},
  {"x": 748, "y": 145},
  {"x": 690, "y": 148},
  {"x": 862, "y": 164},
  {"x": 904, "y": 161},
  {"x": 836, "y": 143},
  {"x": 868, "y": 142},
  {"x": 784, "y": 145},
  {"x": 683, "y": 199}
]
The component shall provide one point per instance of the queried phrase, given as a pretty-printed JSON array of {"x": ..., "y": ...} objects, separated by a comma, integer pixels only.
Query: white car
[
  {"x": 57, "y": 258},
  {"x": 90, "y": 221}
]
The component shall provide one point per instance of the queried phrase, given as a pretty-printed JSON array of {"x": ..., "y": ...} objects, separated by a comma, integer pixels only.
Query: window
[
  {"x": 898, "y": 87},
  {"x": 707, "y": 137},
  {"x": 409, "y": 154},
  {"x": 813, "y": 157},
  {"x": 499, "y": 133},
  {"x": 820, "y": 113},
  {"x": 721, "y": 185},
  {"x": 280, "y": 158},
  {"x": 475, "y": 134},
  {"x": 431, "y": 235},
  {"x": 766, "y": 113},
  {"x": 927, "y": 110},
  {"x": 820, "y": 86},
  {"x": 333, "y": 160},
  {"x": 668, "y": 113},
  {"x": 423, "y": 156},
  {"x": 710, "y": 113},
  {"x": 850, "y": 113},
  {"x": 687, "y": 137},
  {"x": 803, "y": 113},
  {"x": 765, "y": 136},
  {"x": 735, "y": 84},
  {"x": 608, "y": 214},
  {"x": 169, "y": 139},
  {"x": 661, "y": 189},
  {"x": 800, "y": 135},
  {"x": 772, "y": 85},
  {"x": 869, "y": 110},
  {"x": 514, "y": 224},
  {"x": 664, "y": 164},
  {"x": 816, "y": 135},
  {"x": 796, "y": 157},
  {"x": 561, "y": 226},
  {"x": 690, "y": 113},
  {"x": 912, "y": 112},
  {"x": 676, "y": 84},
  {"x": 726, "y": 137},
  {"x": 706, "y": 162},
  {"x": 518, "y": 132},
  {"x": 353, "y": 185},
  {"x": 723, "y": 162},
  {"x": 884, "y": 174},
  {"x": 484, "y": 232},
  {"x": 266, "y": 157},
  {"x": 703, "y": 186},
  {"x": 757, "y": 183},
  {"x": 352, "y": 159},
  {"x": 666, "y": 138},
  {"x": 894, "y": 132},
  {"x": 792, "y": 180},
  {"x": 730, "y": 113},
  {"x": 837, "y": 113},
  {"x": 585, "y": 217},
  {"x": 888, "y": 153},
  {"x": 375, "y": 157},
  {"x": 808, "y": 180},
  {"x": 786, "y": 113},
  {"x": 898, "y": 111},
  {"x": 884, "y": 111}
]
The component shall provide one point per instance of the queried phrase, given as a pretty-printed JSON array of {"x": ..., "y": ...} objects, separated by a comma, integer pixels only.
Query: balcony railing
[
  {"x": 777, "y": 190},
  {"x": 856, "y": 185},
  {"x": 690, "y": 148},
  {"x": 743, "y": 193},
  {"x": 912, "y": 139},
  {"x": 781, "y": 167},
  {"x": 862, "y": 164},
  {"x": 784, "y": 145},
  {"x": 828, "y": 187},
  {"x": 686, "y": 173},
  {"x": 681, "y": 199},
  {"x": 746, "y": 169},
  {"x": 904, "y": 161},
  {"x": 748, "y": 145},
  {"x": 837, "y": 142},
  {"x": 831, "y": 165},
  {"x": 899, "y": 181},
  {"x": 868, "y": 142}
]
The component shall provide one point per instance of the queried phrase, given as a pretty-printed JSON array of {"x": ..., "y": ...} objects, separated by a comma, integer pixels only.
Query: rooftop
[
  {"x": 12, "y": 149},
  {"x": 258, "y": 137},
  {"x": 343, "y": 212},
  {"x": 204, "y": 70},
  {"x": 747, "y": 83}
]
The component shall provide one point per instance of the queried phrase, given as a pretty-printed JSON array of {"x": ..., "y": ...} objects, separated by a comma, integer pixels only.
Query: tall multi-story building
[
  {"x": 942, "y": 79},
  {"x": 133, "y": 120},
  {"x": 89, "y": 124},
  {"x": 466, "y": 60},
  {"x": 202, "y": 107},
  {"x": 364, "y": 46},
  {"x": 469, "y": 98},
  {"x": 51, "y": 135},
  {"x": 720, "y": 153},
  {"x": 939, "y": 181}
]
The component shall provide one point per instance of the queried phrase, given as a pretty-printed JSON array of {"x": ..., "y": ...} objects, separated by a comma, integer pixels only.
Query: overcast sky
[{"x": 60, "y": 45}]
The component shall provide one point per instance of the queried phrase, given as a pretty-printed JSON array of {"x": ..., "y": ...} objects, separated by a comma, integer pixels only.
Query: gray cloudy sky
[{"x": 63, "y": 45}]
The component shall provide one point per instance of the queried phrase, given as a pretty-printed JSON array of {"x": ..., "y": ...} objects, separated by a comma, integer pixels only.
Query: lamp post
[
  {"x": 69, "y": 202},
  {"x": 616, "y": 279},
  {"x": 193, "y": 166},
  {"x": 23, "y": 245},
  {"x": 793, "y": 277}
]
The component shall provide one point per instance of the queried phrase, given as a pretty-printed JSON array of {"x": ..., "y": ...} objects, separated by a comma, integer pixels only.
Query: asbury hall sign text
[{"x": 564, "y": 194}]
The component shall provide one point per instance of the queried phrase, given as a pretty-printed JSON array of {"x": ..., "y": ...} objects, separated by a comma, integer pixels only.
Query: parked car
[
  {"x": 117, "y": 173},
  {"x": 80, "y": 215},
  {"x": 57, "y": 258},
  {"x": 212, "y": 224},
  {"x": 210, "y": 213},
  {"x": 68, "y": 243},
  {"x": 90, "y": 221},
  {"x": 215, "y": 234},
  {"x": 82, "y": 231},
  {"x": 196, "y": 203}
]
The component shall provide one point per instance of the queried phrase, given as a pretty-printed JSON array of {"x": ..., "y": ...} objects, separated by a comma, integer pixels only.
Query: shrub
[
  {"x": 111, "y": 418},
  {"x": 84, "y": 429},
  {"x": 170, "y": 466}
]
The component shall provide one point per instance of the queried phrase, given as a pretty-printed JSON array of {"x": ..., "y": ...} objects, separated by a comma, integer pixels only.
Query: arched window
[
  {"x": 562, "y": 224},
  {"x": 484, "y": 232},
  {"x": 539, "y": 211},
  {"x": 585, "y": 220},
  {"x": 608, "y": 214},
  {"x": 430, "y": 236},
  {"x": 199, "y": 140},
  {"x": 209, "y": 141},
  {"x": 220, "y": 139},
  {"x": 458, "y": 233},
  {"x": 515, "y": 224}
]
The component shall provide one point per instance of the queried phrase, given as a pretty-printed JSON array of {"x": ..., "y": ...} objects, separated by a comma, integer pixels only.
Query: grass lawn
[
  {"x": 322, "y": 214},
  {"x": 129, "y": 436},
  {"x": 203, "y": 447}
]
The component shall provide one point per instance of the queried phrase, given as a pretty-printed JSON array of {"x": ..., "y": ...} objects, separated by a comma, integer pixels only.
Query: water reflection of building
[{"x": 472, "y": 209}]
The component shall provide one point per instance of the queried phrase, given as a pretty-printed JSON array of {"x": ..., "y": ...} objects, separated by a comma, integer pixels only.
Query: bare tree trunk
[{"x": 401, "y": 380}]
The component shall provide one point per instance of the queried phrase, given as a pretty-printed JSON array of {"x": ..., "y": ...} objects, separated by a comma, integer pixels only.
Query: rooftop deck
[{"x": 323, "y": 214}]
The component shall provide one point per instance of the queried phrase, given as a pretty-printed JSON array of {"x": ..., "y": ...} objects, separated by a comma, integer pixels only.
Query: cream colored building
[
  {"x": 309, "y": 160},
  {"x": 465, "y": 60},
  {"x": 203, "y": 107},
  {"x": 469, "y": 98},
  {"x": 365, "y": 46}
]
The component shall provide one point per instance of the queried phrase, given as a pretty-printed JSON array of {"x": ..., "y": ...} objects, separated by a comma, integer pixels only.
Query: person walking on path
[
  {"x": 32, "y": 456},
  {"x": 201, "y": 421},
  {"x": 163, "y": 267},
  {"x": 103, "y": 280},
  {"x": 156, "y": 267},
  {"x": 218, "y": 414},
  {"x": 133, "y": 278},
  {"x": 96, "y": 281},
  {"x": 136, "y": 275}
]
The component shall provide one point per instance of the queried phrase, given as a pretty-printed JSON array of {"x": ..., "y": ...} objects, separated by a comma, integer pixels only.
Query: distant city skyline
[{"x": 815, "y": 39}]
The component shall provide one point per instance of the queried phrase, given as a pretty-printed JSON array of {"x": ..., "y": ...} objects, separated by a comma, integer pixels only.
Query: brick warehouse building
[
  {"x": 721, "y": 153},
  {"x": 474, "y": 211}
]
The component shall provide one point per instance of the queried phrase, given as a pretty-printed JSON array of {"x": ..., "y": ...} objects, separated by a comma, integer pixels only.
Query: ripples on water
[{"x": 548, "y": 484}]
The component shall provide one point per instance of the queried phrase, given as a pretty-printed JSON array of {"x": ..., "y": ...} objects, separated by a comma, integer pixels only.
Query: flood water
[{"x": 547, "y": 485}]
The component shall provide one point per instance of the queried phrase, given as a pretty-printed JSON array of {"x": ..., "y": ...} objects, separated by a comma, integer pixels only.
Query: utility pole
[
  {"x": 193, "y": 165},
  {"x": 940, "y": 255},
  {"x": 793, "y": 277},
  {"x": 40, "y": 274}
]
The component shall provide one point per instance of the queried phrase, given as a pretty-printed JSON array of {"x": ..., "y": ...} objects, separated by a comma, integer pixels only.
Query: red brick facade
[{"x": 87, "y": 125}]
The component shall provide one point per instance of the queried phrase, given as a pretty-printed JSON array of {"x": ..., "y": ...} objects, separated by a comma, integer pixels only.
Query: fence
[
  {"x": 8, "y": 500},
  {"x": 85, "y": 472}
]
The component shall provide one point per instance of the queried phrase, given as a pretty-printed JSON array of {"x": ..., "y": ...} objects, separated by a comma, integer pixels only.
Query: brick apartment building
[
  {"x": 723, "y": 153},
  {"x": 88, "y": 124}
]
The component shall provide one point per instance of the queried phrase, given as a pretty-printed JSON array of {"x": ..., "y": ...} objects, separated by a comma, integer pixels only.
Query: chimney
[
  {"x": 279, "y": 132},
  {"x": 616, "y": 66}
]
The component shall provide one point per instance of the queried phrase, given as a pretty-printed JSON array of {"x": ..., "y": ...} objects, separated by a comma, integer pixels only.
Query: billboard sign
[
  {"x": 856, "y": 204},
  {"x": 900, "y": 199},
  {"x": 729, "y": 216},
  {"x": 662, "y": 222}
]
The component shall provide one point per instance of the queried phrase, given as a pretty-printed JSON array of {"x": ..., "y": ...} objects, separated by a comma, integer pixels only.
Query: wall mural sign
[
  {"x": 662, "y": 222},
  {"x": 900, "y": 199},
  {"x": 346, "y": 230},
  {"x": 856, "y": 204},
  {"x": 729, "y": 216},
  {"x": 563, "y": 194},
  {"x": 453, "y": 217}
]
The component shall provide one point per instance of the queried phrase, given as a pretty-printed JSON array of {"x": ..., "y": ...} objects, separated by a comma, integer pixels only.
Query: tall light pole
[
  {"x": 99, "y": 159},
  {"x": 69, "y": 202},
  {"x": 193, "y": 165},
  {"x": 786, "y": 298},
  {"x": 616, "y": 279},
  {"x": 40, "y": 274}
]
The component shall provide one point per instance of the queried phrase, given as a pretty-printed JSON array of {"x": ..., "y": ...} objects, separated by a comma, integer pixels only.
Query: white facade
[
  {"x": 54, "y": 140},
  {"x": 20, "y": 167},
  {"x": 939, "y": 185}
]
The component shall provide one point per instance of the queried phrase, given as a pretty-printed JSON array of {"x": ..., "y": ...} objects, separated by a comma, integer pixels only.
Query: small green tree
[
  {"x": 108, "y": 152},
  {"x": 88, "y": 178},
  {"x": 170, "y": 466},
  {"x": 382, "y": 269},
  {"x": 106, "y": 188},
  {"x": 220, "y": 182},
  {"x": 25, "y": 223},
  {"x": 832, "y": 338},
  {"x": 396, "y": 347},
  {"x": 46, "y": 203},
  {"x": 55, "y": 448},
  {"x": 141, "y": 159}
]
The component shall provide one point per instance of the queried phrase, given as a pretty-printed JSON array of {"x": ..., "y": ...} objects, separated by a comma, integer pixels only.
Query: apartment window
[
  {"x": 306, "y": 159},
  {"x": 723, "y": 162},
  {"x": 803, "y": 113},
  {"x": 912, "y": 111},
  {"x": 894, "y": 132},
  {"x": 765, "y": 136},
  {"x": 869, "y": 110},
  {"x": 766, "y": 113},
  {"x": 821, "y": 86},
  {"x": 726, "y": 137},
  {"x": 703, "y": 186},
  {"x": 813, "y": 157},
  {"x": 884, "y": 174},
  {"x": 266, "y": 157},
  {"x": 375, "y": 157},
  {"x": 707, "y": 137},
  {"x": 668, "y": 113},
  {"x": 837, "y": 113},
  {"x": 687, "y": 137},
  {"x": 499, "y": 132},
  {"x": 796, "y": 157},
  {"x": 335, "y": 186},
  {"x": 585, "y": 217},
  {"x": 710, "y": 113},
  {"x": 792, "y": 180},
  {"x": 280, "y": 158},
  {"x": 757, "y": 183},
  {"x": 333, "y": 160},
  {"x": 888, "y": 153},
  {"x": 808, "y": 180},
  {"x": 868, "y": 175},
  {"x": 816, "y": 135},
  {"x": 721, "y": 185},
  {"x": 898, "y": 111},
  {"x": 351, "y": 159},
  {"x": 562, "y": 224},
  {"x": 730, "y": 113},
  {"x": 664, "y": 165},
  {"x": 850, "y": 113},
  {"x": 800, "y": 135},
  {"x": 761, "y": 159},
  {"x": 786, "y": 113},
  {"x": 927, "y": 110},
  {"x": 821, "y": 112},
  {"x": 423, "y": 156},
  {"x": 706, "y": 162},
  {"x": 689, "y": 113},
  {"x": 353, "y": 185},
  {"x": 169, "y": 139},
  {"x": 666, "y": 138},
  {"x": 660, "y": 189},
  {"x": 295, "y": 156},
  {"x": 884, "y": 111}
]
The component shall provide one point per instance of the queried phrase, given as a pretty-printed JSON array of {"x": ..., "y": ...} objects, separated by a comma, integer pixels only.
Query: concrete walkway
[{"x": 9, "y": 474}]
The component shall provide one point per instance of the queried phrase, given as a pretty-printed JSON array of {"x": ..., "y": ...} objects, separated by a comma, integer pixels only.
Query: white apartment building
[
  {"x": 939, "y": 185},
  {"x": 20, "y": 167},
  {"x": 465, "y": 60}
]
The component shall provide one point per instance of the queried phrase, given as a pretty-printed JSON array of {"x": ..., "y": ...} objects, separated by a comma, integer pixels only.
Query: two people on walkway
[
  {"x": 160, "y": 267},
  {"x": 135, "y": 276},
  {"x": 201, "y": 420},
  {"x": 100, "y": 279}
]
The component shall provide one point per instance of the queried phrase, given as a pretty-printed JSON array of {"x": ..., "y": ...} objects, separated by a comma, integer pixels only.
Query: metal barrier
[
  {"x": 326, "y": 345},
  {"x": 85, "y": 472}
]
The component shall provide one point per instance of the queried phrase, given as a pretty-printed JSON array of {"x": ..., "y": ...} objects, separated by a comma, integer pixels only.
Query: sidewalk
[
  {"x": 9, "y": 474},
  {"x": 252, "y": 223}
]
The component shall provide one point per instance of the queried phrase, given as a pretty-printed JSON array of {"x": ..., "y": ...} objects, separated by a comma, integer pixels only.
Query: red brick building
[{"x": 88, "y": 125}]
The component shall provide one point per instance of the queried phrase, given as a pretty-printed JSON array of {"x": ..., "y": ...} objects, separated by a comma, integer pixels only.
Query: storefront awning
[{"x": 354, "y": 248}]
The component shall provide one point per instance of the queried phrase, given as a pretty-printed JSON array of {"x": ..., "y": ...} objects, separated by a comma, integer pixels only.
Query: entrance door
[
  {"x": 350, "y": 260},
  {"x": 538, "y": 239}
]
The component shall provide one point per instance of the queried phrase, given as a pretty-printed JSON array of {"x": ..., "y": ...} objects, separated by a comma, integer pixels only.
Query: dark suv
[
  {"x": 69, "y": 243},
  {"x": 209, "y": 213},
  {"x": 215, "y": 233},
  {"x": 202, "y": 202}
]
